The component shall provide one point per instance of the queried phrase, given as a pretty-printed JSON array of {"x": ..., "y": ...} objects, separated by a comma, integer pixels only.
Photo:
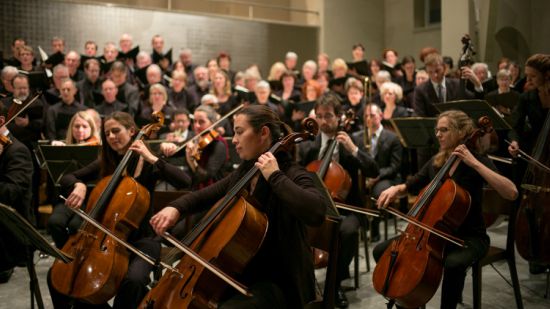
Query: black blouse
[{"x": 469, "y": 180}]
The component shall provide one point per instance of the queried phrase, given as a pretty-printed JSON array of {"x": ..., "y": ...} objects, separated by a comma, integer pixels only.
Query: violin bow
[
  {"x": 455, "y": 240},
  {"x": 210, "y": 127},
  {"x": 24, "y": 106},
  {"x": 215, "y": 270},
  {"x": 138, "y": 252},
  {"x": 523, "y": 155}
]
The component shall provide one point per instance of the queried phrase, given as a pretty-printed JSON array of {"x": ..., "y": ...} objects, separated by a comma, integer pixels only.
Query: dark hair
[
  {"x": 90, "y": 42},
  {"x": 259, "y": 116},
  {"x": 358, "y": 45},
  {"x": 180, "y": 111},
  {"x": 407, "y": 59},
  {"x": 89, "y": 62},
  {"x": 288, "y": 73},
  {"x": 108, "y": 157},
  {"x": 223, "y": 55},
  {"x": 118, "y": 66},
  {"x": 426, "y": 51},
  {"x": 329, "y": 100},
  {"x": 448, "y": 61},
  {"x": 387, "y": 50}
]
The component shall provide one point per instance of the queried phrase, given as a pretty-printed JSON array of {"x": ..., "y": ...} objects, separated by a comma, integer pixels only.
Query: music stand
[
  {"x": 61, "y": 160},
  {"x": 26, "y": 234},
  {"x": 476, "y": 109},
  {"x": 415, "y": 132}
]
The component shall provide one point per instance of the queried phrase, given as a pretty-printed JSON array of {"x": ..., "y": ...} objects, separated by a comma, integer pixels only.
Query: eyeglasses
[
  {"x": 326, "y": 117},
  {"x": 442, "y": 130}
]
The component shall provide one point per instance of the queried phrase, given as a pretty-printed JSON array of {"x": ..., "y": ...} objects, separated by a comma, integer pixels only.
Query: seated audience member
[
  {"x": 201, "y": 85},
  {"x": 110, "y": 103},
  {"x": 127, "y": 93},
  {"x": 157, "y": 102},
  {"x": 90, "y": 87},
  {"x": 481, "y": 70},
  {"x": 59, "y": 115},
  {"x": 178, "y": 95},
  {"x": 72, "y": 62},
  {"x": 392, "y": 95},
  {"x": 8, "y": 74},
  {"x": 82, "y": 130}
]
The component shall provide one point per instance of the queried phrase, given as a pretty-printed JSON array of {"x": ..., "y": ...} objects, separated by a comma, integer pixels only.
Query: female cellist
[
  {"x": 281, "y": 273},
  {"x": 118, "y": 132},
  {"x": 533, "y": 107},
  {"x": 451, "y": 130}
]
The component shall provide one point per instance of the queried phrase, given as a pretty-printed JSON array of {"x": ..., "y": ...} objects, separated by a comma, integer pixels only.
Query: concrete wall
[{"x": 347, "y": 22}]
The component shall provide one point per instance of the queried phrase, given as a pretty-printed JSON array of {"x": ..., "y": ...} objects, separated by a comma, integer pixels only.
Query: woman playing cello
[
  {"x": 451, "y": 130},
  {"x": 119, "y": 130},
  {"x": 281, "y": 274}
]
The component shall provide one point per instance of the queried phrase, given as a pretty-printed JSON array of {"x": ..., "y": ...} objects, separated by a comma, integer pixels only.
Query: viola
[
  {"x": 119, "y": 203},
  {"x": 229, "y": 236},
  {"x": 411, "y": 268},
  {"x": 335, "y": 177}
]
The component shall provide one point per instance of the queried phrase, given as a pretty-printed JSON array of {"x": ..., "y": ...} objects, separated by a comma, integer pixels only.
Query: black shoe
[
  {"x": 341, "y": 299},
  {"x": 375, "y": 238},
  {"x": 6, "y": 275},
  {"x": 535, "y": 268}
]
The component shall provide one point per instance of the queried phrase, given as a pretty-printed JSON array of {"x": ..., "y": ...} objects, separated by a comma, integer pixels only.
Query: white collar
[{"x": 436, "y": 84}]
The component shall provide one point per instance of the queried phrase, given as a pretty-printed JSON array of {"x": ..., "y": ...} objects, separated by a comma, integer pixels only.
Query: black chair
[
  {"x": 493, "y": 204},
  {"x": 325, "y": 237}
]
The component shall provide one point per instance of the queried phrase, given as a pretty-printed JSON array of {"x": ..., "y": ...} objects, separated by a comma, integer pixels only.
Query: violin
[
  {"x": 16, "y": 108},
  {"x": 92, "y": 141},
  {"x": 213, "y": 134},
  {"x": 410, "y": 270},
  {"x": 229, "y": 235},
  {"x": 335, "y": 177},
  {"x": 205, "y": 140},
  {"x": 119, "y": 203}
]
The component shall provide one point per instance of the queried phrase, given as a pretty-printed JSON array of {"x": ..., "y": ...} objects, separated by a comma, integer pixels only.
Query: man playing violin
[
  {"x": 453, "y": 127},
  {"x": 15, "y": 190},
  {"x": 281, "y": 274},
  {"x": 328, "y": 111}
]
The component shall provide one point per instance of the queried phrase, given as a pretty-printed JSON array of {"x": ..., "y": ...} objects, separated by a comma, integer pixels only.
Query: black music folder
[
  {"x": 305, "y": 107},
  {"x": 61, "y": 160},
  {"x": 508, "y": 99},
  {"x": 27, "y": 234},
  {"x": 359, "y": 67},
  {"x": 416, "y": 132},
  {"x": 476, "y": 109}
]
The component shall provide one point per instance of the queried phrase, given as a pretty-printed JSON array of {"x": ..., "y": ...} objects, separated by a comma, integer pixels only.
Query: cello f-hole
[{"x": 183, "y": 293}]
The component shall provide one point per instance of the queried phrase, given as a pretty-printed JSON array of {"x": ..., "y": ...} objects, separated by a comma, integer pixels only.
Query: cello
[
  {"x": 100, "y": 263},
  {"x": 533, "y": 218},
  {"x": 335, "y": 177},
  {"x": 411, "y": 268},
  {"x": 228, "y": 236}
]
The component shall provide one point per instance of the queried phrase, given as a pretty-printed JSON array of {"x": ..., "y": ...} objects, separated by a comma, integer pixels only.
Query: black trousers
[
  {"x": 457, "y": 261},
  {"x": 133, "y": 287},
  {"x": 264, "y": 295},
  {"x": 62, "y": 223},
  {"x": 348, "y": 245}
]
